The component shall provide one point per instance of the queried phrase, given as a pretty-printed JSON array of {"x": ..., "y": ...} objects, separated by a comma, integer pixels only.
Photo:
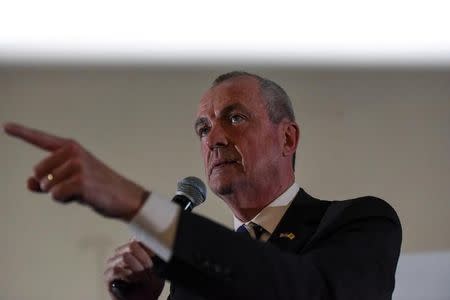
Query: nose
[{"x": 216, "y": 137}]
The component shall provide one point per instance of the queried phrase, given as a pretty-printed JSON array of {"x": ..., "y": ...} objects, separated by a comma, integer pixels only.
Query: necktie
[
  {"x": 243, "y": 230},
  {"x": 258, "y": 230},
  {"x": 252, "y": 230}
]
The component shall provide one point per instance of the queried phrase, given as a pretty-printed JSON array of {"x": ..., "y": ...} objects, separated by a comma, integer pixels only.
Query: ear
[{"x": 291, "y": 137}]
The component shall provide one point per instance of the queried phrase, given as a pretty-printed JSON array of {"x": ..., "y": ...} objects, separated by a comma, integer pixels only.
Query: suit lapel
[{"x": 299, "y": 223}]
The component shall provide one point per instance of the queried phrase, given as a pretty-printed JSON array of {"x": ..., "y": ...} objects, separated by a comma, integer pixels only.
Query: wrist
[{"x": 135, "y": 204}]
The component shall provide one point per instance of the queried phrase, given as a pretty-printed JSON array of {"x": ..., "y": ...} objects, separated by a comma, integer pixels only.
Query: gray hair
[{"x": 278, "y": 103}]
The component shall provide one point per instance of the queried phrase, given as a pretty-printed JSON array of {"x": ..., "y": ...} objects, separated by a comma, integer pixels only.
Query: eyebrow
[
  {"x": 233, "y": 106},
  {"x": 199, "y": 122}
]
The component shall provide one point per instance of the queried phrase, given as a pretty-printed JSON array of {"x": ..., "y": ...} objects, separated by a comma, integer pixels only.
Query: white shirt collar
[{"x": 271, "y": 215}]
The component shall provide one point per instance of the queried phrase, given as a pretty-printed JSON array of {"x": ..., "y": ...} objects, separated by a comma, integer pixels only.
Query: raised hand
[
  {"x": 132, "y": 263},
  {"x": 71, "y": 173}
]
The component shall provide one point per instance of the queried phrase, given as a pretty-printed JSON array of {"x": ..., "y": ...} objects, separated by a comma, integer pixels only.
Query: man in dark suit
[
  {"x": 299, "y": 247},
  {"x": 316, "y": 249}
]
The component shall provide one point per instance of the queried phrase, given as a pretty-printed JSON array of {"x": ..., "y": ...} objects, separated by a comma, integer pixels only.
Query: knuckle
[
  {"x": 120, "y": 261},
  {"x": 77, "y": 180},
  {"x": 73, "y": 147},
  {"x": 55, "y": 193},
  {"x": 126, "y": 257},
  {"x": 127, "y": 248},
  {"x": 59, "y": 194},
  {"x": 133, "y": 246},
  {"x": 75, "y": 164}
]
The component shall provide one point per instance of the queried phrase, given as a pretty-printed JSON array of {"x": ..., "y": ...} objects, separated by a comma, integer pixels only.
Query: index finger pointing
[{"x": 35, "y": 137}]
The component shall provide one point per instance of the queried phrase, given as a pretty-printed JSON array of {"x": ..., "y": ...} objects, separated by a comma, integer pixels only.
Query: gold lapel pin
[{"x": 288, "y": 235}]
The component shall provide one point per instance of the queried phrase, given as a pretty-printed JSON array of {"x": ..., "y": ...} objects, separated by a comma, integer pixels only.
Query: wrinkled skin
[{"x": 245, "y": 154}]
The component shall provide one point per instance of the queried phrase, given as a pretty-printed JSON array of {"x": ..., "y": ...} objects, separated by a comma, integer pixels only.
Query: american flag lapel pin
[{"x": 288, "y": 235}]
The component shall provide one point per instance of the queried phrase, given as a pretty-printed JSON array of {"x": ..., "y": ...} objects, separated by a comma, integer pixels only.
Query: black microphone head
[{"x": 193, "y": 188}]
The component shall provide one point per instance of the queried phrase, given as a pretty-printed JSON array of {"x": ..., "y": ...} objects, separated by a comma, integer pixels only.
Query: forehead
[{"x": 242, "y": 90}]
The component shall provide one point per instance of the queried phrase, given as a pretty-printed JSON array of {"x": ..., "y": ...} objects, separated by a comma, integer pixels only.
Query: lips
[{"x": 220, "y": 163}]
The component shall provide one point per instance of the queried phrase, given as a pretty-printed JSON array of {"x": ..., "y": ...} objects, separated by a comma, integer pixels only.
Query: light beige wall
[{"x": 384, "y": 133}]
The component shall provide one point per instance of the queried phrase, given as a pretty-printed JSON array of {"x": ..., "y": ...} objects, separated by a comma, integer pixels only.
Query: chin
[
  {"x": 221, "y": 188},
  {"x": 224, "y": 190}
]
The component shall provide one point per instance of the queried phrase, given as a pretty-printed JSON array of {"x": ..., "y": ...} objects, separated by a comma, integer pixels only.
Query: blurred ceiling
[{"x": 293, "y": 33}]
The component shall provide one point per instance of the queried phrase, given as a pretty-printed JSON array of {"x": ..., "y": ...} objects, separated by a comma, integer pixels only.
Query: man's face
[{"x": 241, "y": 147}]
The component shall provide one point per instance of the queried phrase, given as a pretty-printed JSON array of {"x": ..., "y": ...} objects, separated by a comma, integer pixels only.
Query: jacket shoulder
[{"x": 362, "y": 208}]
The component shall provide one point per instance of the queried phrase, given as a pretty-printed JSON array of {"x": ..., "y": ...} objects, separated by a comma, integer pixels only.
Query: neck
[{"x": 246, "y": 203}]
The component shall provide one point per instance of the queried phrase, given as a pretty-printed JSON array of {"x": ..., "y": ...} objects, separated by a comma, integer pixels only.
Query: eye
[
  {"x": 202, "y": 131},
  {"x": 236, "y": 119}
]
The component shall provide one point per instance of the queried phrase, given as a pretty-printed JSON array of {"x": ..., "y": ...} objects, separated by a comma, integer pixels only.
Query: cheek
[
  {"x": 204, "y": 152},
  {"x": 263, "y": 148}
]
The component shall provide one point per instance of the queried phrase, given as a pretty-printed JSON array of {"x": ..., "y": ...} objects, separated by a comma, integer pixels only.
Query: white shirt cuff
[{"x": 155, "y": 225}]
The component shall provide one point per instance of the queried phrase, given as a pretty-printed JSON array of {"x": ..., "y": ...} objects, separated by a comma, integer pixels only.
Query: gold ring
[{"x": 50, "y": 177}]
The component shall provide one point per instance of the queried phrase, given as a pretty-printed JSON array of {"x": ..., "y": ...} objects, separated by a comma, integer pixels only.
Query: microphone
[{"x": 191, "y": 192}]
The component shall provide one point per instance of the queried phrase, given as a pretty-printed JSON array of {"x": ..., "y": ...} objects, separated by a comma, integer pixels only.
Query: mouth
[{"x": 221, "y": 164}]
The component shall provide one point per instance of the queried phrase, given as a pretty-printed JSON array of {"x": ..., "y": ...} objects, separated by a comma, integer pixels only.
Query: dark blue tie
[
  {"x": 258, "y": 230},
  {"x": 243, "y": 230}
]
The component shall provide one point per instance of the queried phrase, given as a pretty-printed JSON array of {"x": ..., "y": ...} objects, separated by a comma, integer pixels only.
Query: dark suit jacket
[{"x": 320, "y": 250}]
